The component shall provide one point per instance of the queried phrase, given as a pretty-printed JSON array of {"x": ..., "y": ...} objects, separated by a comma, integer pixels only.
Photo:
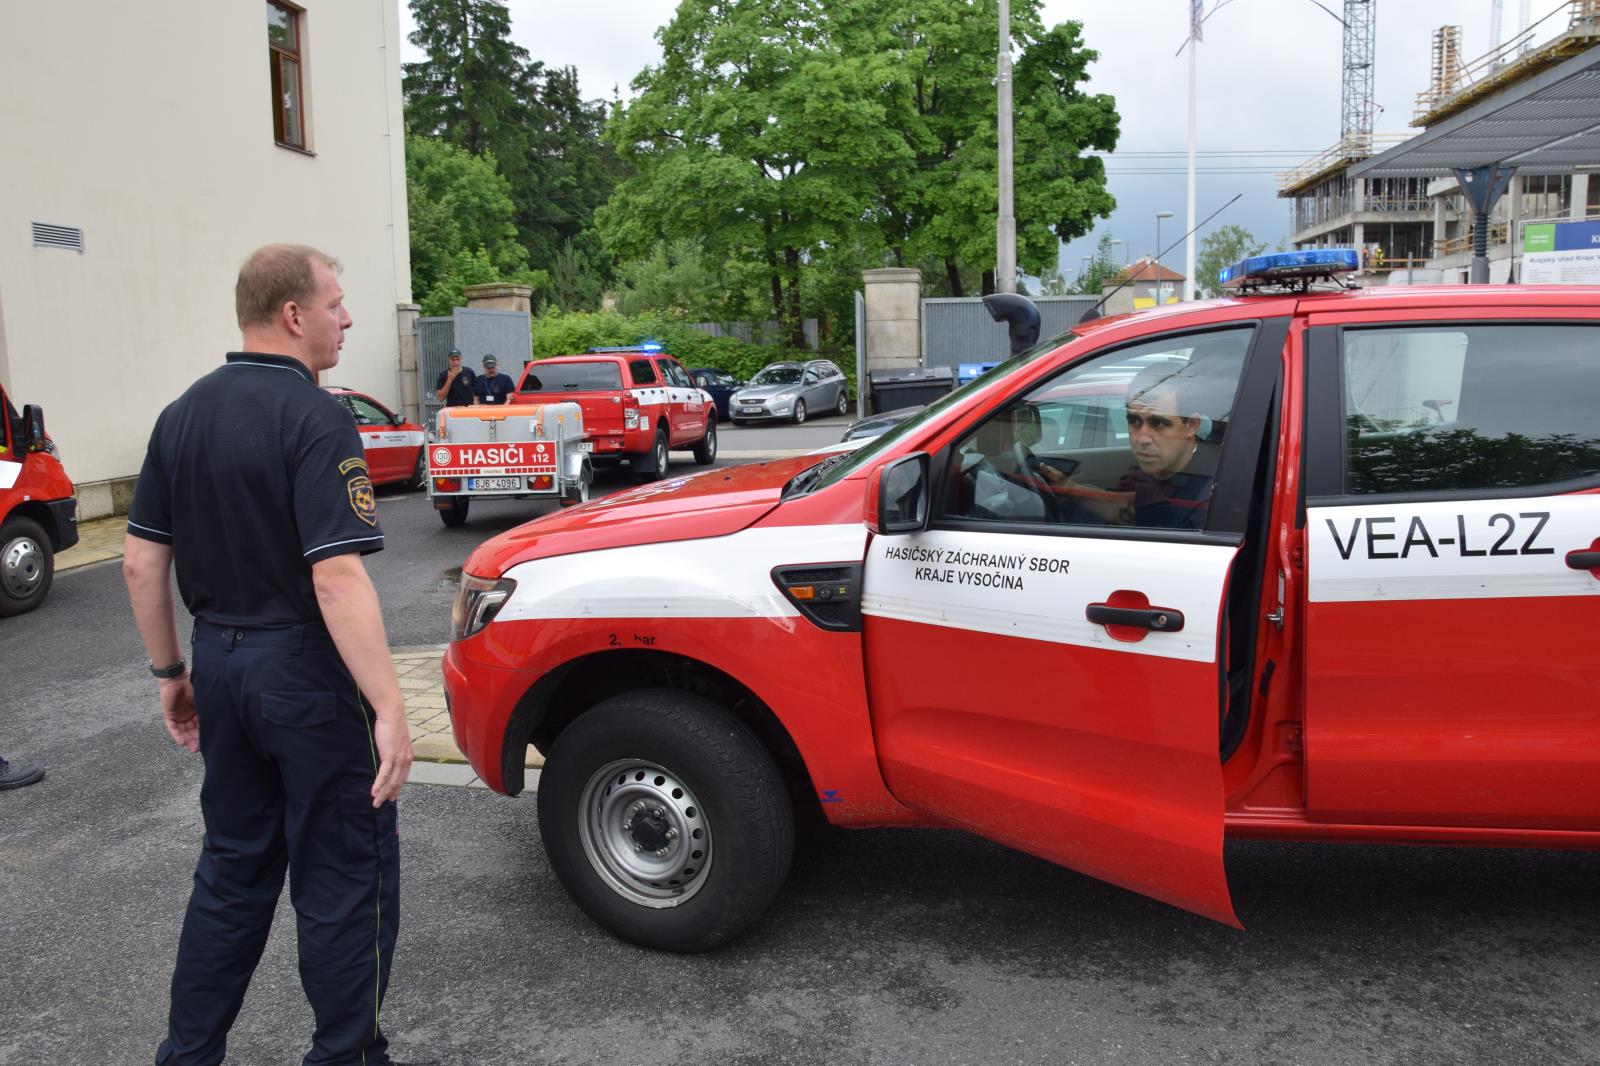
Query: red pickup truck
[
  {"x": 38, "y": 511},
  {"x": 1287, "y": 565},
  {"x": 638, "y": 405}
]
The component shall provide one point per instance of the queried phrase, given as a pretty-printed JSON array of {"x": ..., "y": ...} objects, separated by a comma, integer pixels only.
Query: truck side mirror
[
  {"x": 33, "y": 437},
  {"x": 897, "y": 496},
  {"x": 397, "y": 419}
]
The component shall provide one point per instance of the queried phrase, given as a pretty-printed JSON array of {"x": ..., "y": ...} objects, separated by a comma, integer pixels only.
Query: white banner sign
[{"x": 1581, "y": 267}]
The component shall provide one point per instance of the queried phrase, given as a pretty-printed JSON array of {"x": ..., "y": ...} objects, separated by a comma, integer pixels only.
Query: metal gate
[
  {"x": 959, "y": 330},
  {"x": 477, "y": 332}
]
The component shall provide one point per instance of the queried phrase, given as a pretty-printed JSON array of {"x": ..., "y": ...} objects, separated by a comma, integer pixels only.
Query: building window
[{"x": 285, "y": 30}]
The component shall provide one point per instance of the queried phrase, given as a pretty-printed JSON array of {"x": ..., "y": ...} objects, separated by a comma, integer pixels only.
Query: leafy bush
[{"x": 556, "y": 333}]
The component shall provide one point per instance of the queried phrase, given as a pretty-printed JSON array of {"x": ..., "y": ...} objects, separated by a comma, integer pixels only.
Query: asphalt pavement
[{"x": 885, "y": 947}]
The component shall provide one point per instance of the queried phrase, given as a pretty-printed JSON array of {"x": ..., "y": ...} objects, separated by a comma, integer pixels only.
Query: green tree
[
  {"x": 1102, "y": 270},
  {"x": 1220, "y": 248},
  {"x": 461, "y": 225},
  {"x": 479, "y": 91},
  {"x": 938, "y": 196},
  {"x": 754, "y": 133}
]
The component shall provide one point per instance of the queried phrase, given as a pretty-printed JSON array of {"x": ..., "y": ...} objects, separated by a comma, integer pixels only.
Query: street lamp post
[
  {"x": 1116, "y": 241},
  {"x": 1006, "y": 226},
  {"x": 1159, "y": 216}
]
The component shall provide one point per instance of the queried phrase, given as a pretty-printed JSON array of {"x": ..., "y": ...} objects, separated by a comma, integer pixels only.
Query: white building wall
[{"x": 150, "y": 126}]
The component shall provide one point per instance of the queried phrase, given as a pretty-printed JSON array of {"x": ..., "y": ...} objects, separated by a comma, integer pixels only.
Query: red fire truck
[
  {"x": 1290, "y": 564},
  {"x": 38, "y": 511}
]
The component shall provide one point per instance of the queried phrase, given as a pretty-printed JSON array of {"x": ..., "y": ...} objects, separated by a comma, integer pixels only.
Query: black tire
[
  {"x": 457, "y": 513},
  {"x": 708, "y": 781},
  {"x": 844, "y": 402},
  {"x": 660, "y": 452},
  {"x": 705, "y": 451},
  {"x": 799, "y": 412},
  {"x": 27, "y": 566},
  {"x": 419, "y": 473}
]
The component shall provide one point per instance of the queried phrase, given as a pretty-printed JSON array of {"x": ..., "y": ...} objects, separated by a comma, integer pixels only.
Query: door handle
[
  {"x": 1584, "y": 559},
  {"x": 1159, "y": 619}
]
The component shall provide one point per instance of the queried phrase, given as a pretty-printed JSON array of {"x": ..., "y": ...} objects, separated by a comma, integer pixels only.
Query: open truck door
[{"x": 1043, "y": 657}]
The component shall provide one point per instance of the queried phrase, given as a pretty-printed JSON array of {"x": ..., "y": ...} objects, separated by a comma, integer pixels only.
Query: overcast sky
[{"x": 1269, "y": 73}]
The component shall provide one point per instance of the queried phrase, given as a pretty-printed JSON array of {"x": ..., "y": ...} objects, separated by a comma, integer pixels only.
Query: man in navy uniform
[
  {"x": 454, "y": 384},
  {"x": 254, "y": 485},
  {"x": 493, "y": 387}
]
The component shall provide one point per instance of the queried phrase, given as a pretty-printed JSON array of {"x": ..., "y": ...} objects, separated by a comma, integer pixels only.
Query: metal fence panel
[
  {"x": 959, "y": 330},
  {"x": 435, "y": 338}
]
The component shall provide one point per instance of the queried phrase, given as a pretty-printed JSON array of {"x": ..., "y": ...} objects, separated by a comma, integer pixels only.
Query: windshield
[
  {"x": 878, "y": 445},
  {"x": 572, "y": 377},
  {"x": 777, "y": 375}
]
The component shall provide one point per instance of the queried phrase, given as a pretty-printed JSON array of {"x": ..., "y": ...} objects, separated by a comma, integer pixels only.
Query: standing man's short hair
[{"x": 274, "y": 275}]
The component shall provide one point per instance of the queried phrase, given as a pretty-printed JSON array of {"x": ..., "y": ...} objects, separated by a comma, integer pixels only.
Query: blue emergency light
[
  {"x": 1302, "y": 266},
  {"x": 648, "y": 346}
]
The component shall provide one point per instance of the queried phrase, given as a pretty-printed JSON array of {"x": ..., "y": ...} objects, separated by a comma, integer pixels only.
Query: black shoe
[{"x": 18, "y": 776}]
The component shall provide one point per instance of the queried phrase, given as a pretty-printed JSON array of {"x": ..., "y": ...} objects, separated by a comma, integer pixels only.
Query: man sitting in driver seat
[{"x": 1167, "y": 487}]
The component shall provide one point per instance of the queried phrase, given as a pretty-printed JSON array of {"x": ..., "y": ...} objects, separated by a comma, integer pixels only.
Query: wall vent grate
[{"x": 48, "y": 235}]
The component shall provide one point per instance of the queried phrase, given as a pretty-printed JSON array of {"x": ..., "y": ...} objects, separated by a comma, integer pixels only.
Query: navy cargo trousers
[{"x": 289, "y": 764}]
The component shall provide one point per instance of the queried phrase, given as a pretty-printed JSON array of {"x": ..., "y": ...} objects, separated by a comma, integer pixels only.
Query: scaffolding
[{"x": 1456, "y": 84}]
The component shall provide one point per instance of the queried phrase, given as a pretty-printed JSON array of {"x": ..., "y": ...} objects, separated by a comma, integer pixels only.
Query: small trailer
[{"x": 520, "y": 451}]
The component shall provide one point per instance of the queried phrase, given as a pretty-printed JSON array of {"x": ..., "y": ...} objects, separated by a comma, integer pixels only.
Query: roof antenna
[{"x": 1094, "y": 312}]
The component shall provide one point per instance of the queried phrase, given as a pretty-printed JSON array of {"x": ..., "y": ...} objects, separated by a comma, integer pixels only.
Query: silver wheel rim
[
  {"x": 644, "y": 833},
  {"x": 844, "y": 402},
  {"x": 711, "y": 441},
  {"x": 661, "y": 455},
  {"x": 22, "y": 567},
  {"x": 800, "y": 411}
]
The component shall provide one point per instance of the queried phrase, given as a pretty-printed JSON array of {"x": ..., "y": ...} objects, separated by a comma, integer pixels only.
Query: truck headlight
[{"x": 478, "y": 600}]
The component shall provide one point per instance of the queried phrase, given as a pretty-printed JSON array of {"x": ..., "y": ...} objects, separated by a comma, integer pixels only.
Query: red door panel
[{"x": 999, "y": 707}]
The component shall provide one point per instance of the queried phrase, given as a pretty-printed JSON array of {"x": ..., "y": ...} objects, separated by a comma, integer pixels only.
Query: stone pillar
[
  {"x": 405, "y": 324},
  {"x": 500, "y": 296},
  {"x": 894, "y": 317}
]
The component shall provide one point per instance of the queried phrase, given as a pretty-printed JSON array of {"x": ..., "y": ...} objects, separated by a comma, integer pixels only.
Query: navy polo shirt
[
  {"x": 494, "y": 389},
  {"x": 251, "y": 476}
]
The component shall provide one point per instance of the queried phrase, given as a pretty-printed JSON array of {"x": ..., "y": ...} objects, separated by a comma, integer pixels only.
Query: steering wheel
[{"x": 1032, "y": 468}]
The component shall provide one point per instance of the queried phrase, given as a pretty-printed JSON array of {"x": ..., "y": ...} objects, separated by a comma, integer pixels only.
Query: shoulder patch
[
  {"x": 363, "y": 501},
  {"x": 353, "y": 464}
]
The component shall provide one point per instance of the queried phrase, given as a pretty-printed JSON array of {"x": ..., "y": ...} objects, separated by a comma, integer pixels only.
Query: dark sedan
[{"x": 719, "y": 383}]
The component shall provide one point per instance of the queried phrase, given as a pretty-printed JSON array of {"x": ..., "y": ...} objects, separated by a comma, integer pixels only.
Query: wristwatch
[{"x": 167, "y": 673}]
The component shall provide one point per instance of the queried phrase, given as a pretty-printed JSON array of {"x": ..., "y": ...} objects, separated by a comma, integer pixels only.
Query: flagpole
[{"x": 1189, "y": 249}]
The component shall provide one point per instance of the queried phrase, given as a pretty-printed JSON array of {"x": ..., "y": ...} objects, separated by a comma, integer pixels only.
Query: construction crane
[{"x": 1359, "y": 112}]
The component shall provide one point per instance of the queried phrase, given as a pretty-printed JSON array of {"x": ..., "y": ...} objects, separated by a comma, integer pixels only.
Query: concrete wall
[{"x": 151, "y": 128}]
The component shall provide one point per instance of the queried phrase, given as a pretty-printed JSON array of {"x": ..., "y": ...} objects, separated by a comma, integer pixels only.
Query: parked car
[
  {"x": 638, "y": 404},
  {"x": 873, "y": 425},
  {"x": 393, "y": 445},
  {"x": 791, "y": 391},
  {"x": 1299, "y": 566},
  {"x": 719, "y": 383},
  {"x": 38, "y": 508}
]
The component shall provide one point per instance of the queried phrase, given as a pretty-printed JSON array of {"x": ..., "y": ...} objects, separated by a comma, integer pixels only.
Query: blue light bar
[
  {"x": 648, "y": 346},
  {"x": 1286, "y": 266}
]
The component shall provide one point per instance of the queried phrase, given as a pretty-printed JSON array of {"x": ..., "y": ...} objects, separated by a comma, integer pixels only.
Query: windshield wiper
[{"x": 804, "y": 480}]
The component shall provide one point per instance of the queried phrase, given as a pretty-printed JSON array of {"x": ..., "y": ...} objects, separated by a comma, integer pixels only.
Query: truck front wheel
[
  {"x": 666, "y": 820},
  {"x": 27, "y": 565}
]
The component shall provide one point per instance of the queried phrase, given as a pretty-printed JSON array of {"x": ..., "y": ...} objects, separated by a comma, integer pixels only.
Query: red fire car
[
  {"x": 1328, "y": 570},
  {"x": 393, "y": 445},
  {"x": 38, "y": 511}
]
